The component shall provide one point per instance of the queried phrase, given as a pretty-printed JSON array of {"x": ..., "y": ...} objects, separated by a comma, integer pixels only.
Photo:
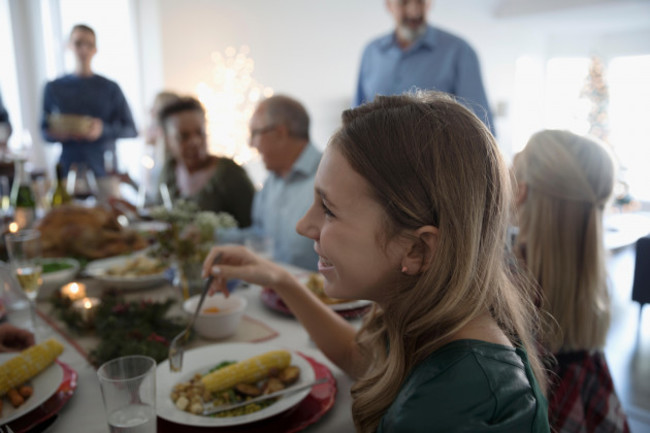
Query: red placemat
[
  {"x": 273, "y": 301},
  {"x": 307, "y": 412},
  {"x": 51, "y": 406}
]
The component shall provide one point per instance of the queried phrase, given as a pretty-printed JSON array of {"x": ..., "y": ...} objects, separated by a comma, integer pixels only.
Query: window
[
  {"x": 551, "y": 96},
  {"x": 8, "y": 79}
]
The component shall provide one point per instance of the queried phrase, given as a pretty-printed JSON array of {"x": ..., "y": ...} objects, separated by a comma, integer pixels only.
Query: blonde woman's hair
[
  {"x": 568, "y": 180},
  {"x": 430, "y": 161}
]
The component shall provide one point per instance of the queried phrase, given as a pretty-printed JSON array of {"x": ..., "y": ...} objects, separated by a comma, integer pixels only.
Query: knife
[{"x": 211, "y": 409}]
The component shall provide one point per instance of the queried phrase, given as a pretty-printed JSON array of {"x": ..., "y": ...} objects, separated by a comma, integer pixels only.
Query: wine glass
[
  {"x": 81, "y": 183},
  {"x": 24, "y": 250}
]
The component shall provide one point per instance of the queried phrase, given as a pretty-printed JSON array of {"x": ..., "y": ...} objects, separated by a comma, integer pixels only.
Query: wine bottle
[
  {"x": 60, "y": 195},
  {"x": 23, "y": 200}
]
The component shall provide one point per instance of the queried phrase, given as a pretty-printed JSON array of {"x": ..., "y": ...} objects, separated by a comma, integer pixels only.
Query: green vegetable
[
  {"x": 222, "y": 365},
  {"x": 55, "y": 266}
]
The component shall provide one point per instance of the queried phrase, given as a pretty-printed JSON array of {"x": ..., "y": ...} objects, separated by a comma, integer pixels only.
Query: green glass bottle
[
  {"x": 22, "y": 199},
  {"x": 60, "y": 195}
]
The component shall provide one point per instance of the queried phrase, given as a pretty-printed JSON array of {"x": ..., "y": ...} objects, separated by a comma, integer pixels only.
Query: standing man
[
  {"x": 84, "y": 111},
  {"x": 417, "y": 55},
  {"x": 279, "y": 131}
]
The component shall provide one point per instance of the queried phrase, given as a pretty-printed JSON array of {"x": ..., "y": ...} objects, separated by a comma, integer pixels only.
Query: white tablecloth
[{"x": 85, "y": 413}]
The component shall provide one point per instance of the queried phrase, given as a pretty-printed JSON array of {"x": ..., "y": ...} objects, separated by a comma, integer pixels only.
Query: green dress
[
  {"x": 228, "y": 190},
  {"x": 469, "y": 386}
]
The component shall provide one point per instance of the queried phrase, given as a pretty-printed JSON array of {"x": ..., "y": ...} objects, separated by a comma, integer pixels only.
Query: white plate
[
  {"x": 45, "y": 385},
  {"x": 351, "y": 305},
  {"x": 61, "y": 277},
  {"x": 97, "y": 269},
  {"x": 201, "y": 360},
  {"x": 341, "y": 306}
]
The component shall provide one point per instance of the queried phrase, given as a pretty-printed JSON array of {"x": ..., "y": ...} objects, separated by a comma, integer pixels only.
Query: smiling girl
[{"x": 410, "y": 211}]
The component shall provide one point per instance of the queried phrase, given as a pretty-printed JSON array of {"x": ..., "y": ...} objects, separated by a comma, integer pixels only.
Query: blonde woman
[
  {"x": 410, "y": 210},
  {"x": 564, "y": 181}
]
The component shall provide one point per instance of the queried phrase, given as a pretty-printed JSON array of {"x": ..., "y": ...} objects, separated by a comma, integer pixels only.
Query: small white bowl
[
  {"x": 55, "y": 279},
  {"x": 219, "y": 325}
]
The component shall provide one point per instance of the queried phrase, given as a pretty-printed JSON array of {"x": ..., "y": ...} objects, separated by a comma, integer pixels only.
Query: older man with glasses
[{"x": 279, "y": 130}]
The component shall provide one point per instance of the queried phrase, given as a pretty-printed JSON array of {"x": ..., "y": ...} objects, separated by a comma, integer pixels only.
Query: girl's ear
[
  {"x": 522, "y": 193},
  {"x": 421, "y": 251}
]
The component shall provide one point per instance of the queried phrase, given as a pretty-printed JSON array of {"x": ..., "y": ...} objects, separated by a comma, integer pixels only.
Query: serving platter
[{"x": 98, "y": 269}]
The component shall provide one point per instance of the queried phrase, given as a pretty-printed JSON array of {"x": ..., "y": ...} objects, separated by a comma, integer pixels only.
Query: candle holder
[
  {"x": 73, "y": 291},
  {"x": 87, "y": 308}
]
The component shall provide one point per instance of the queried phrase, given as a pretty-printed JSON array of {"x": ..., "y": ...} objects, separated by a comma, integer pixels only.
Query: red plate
[
  {"x": 51, "y": 406},
  {"x": 272, "y": 300},
  {"x": 307, "y": 412}
]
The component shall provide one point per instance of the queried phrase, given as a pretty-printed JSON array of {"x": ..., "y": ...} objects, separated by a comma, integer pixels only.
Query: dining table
[{"x": 84, "y": 411}]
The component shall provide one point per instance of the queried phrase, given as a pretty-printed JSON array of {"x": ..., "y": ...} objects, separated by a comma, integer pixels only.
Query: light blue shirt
[
  {"x": 278, "y": 206},
  {"x": 437, "y": 61}
]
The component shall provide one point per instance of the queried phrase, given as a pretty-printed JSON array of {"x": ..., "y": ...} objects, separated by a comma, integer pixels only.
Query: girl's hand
[{"x": 239, "y": 262}]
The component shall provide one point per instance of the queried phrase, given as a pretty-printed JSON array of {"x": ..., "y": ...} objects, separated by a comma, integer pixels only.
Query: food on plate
[
  {"x": 55, "y": 266},
  {"x": 26, "y": 391},
  {"x": 211, "y": 310},
  {"x": 315, "y": 284},
  {"x": 247, "y": 371},
  {"x": 235, "y": 382},
  {"x": 29, "y": 363},
  {"x": 17, "y": 396},
  {"x": 138, "y": 266},
  {"x": 91, "y": 233}
]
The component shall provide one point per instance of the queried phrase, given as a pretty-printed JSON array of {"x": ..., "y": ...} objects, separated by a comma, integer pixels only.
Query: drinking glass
[
  {"x": 82, "y": 184},
  {"x": 260, "y": 244},
  {"x": 128, "y": 387},
  {"x": 24, "y": 251}
]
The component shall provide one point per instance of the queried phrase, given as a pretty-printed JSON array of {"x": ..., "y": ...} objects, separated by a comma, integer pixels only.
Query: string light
[{"x": 230, "y": 100}]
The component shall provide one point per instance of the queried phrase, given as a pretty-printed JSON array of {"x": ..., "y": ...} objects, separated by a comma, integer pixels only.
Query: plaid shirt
[{"x": 582, "y": 397}]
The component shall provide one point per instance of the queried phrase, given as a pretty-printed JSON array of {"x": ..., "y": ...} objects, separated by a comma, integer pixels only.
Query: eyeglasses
[{"x": 263, "y": 130}]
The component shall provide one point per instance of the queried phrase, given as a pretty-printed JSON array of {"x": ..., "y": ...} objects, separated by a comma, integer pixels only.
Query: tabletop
[{"x": 85, "y": 412}]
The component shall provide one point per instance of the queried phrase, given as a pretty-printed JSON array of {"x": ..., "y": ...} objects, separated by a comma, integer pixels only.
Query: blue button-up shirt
[
  {"x": 437, "y": 61},
  {"x": 278, "y": 206}
]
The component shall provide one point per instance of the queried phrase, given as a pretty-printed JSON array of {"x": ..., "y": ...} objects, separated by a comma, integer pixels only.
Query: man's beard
[{"x": 410, "y": 35}]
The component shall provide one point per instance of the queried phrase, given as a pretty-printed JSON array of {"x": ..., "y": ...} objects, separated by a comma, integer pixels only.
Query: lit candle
[
  {"x": 74, "y": 291},
  {"x": 13, "y": 227},
  {"x": 86, "y": 307}
]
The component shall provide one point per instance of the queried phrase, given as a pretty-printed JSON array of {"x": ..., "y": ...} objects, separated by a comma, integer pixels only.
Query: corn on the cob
[
  {"x": 28, "y": 364},
  {"x": 248, "y": 371}
]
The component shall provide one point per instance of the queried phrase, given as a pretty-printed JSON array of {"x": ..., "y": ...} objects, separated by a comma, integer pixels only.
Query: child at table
[
  {"x": 564, "y": 181},
  {"x": 410, "y": 211}
]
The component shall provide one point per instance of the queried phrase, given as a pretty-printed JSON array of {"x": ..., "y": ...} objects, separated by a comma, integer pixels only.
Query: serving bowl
[
  {"x": 57, "y": 278},
  {"x": 220, "y": 323}
]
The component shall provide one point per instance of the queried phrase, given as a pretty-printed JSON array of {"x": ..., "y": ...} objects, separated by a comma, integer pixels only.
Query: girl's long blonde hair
[
  {"x": 430, "y": 161},
  {"x": 568, "y": 180}
]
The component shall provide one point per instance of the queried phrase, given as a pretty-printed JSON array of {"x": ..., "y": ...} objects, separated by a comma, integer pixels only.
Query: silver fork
[{"x": 176, "y": 348}]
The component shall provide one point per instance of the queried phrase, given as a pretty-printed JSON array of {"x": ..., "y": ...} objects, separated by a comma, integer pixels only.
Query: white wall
[{"x": 311, "y": 49}]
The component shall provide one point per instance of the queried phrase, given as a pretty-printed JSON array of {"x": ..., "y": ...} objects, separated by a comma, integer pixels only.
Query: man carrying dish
[
  {"x": 279, "y": 130},
  {"x": 84, "y": 111}
]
